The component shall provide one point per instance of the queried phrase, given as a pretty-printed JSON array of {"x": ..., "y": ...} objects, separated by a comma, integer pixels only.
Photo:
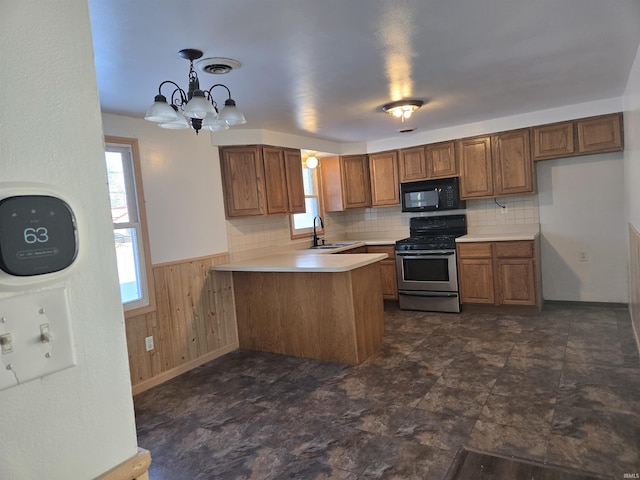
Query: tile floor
[{"x": 561, "y": 388}]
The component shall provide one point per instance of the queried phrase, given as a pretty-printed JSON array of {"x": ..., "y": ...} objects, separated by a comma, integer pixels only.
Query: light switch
[
  {"x": 6, "y": 343},
  {"x": 45, "y": 336},
  {"x": 37, "y": 329}
]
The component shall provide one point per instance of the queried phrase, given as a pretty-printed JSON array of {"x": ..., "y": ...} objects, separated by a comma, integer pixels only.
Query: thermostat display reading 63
[{"x": 37, "y": 235}]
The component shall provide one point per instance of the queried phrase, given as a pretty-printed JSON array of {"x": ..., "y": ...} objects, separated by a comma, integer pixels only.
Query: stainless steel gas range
[{"x": 426, "y": 264}]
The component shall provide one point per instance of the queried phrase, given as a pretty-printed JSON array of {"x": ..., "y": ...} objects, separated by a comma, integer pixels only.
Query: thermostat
[{"x": 37, "y": 235}]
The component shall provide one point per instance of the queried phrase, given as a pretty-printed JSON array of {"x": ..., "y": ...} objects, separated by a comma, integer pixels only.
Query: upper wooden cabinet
[
  {"x": 413, "y": 164},
  {"x": 437, "y": 160},
  {"x": 242, "y": 180},
  {"x": 295, "y": 184},
  {"x": 476, "y": 168},
  {"x": 553, "y": 141},
  {"x": 261, "y": 180},
  {"x": 584, "y": 136},
  {"x": 496, "y": 165},
  {"x": 355, "y": 181},
  {"x": 513, "y": 168},
  {"x": 345, "y": 182},
  {"x": 275, "y": 180},
  {"x": 441, "y": 160},
  {"x": 385, "y": 183},
  {"x": 600, "y": 134}
]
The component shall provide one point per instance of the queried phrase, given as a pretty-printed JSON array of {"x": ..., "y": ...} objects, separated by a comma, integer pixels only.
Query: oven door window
[
  {"x": 425, "y": 269},
  {"x": 422, "y": 199}
]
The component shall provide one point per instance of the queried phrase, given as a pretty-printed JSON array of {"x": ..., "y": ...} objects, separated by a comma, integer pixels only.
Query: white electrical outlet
[
  {"x": 583, "y": 256},
  {"x": 148, "y": 343},
  {"x": 503, "y": 210}
]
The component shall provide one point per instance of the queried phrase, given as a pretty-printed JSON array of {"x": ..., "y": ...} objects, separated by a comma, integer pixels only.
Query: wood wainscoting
[
  {"x": 634, "y": 279},
  {"x": 193, "y": 323}
]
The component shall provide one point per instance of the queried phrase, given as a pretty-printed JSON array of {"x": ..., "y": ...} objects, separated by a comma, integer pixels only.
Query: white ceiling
[{"x": 322, "y": 68}]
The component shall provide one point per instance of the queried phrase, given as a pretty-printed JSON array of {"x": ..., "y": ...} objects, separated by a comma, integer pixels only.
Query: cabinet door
[
  {"x": 387, "y": 271},
  {"x": 553, "y": 141},
  {"x": 476, "y": 169},
  {"x": 383, "y": 170},
  {"x": 441, "y": 160},
  {"x": 476, "y": 280},
  {"x": 242, "y": 180},
  {"x": 295, "y": 186},
  {"x": 331, "y": 184},
  {"x": 600, "y": 134},
  {"x": 355, "y": 181},
  {"x": 275, "y": 181},
  {"x": 413, "y": 164},
  {"x": 515, "y": 281},
  {"x": 513, "y": 168}
]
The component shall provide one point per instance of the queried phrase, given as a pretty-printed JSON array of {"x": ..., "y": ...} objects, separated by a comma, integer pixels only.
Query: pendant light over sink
[{"x": 196, "y": 108}]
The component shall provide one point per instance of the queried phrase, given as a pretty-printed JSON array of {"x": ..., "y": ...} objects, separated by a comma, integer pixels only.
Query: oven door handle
[
  {"x": 417, "y": 293},
  {"x": 426, "y": 254}
]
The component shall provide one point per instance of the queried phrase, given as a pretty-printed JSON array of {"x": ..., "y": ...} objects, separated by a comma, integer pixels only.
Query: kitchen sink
[{"x": 329, "y": 246}]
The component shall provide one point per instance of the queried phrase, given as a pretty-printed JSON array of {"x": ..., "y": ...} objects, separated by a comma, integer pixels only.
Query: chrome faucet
[{"x": 315, "y": 236}]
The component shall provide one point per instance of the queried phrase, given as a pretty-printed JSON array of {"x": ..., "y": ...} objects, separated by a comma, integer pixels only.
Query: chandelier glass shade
[{"x": 193, "y": 108}]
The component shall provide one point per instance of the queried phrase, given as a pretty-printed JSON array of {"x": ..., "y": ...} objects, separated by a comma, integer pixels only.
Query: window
[
  {"x": 302, "y": 223},
  {"x": 129, "y": 222}
]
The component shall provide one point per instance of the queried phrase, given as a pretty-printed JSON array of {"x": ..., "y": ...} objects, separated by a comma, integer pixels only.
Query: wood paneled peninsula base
[{"x": 327, "y": 307}]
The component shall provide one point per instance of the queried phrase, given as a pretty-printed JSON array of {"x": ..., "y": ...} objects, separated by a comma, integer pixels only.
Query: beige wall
[
  {"x": 76, "y": 423},
  {"x": 182, "y": 186}
]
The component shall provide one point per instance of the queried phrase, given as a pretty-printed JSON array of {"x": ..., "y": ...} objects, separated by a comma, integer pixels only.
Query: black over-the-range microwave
[{"x": 431, "y": 195}]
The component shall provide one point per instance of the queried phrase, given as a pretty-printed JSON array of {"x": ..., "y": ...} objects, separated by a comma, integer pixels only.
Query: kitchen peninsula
[{"x": 327, "y": 307}]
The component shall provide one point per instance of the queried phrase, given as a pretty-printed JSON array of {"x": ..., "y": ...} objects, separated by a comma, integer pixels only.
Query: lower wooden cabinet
[
  {"x": 387, "y": 270},
  {"x": 500, "y": 273}
]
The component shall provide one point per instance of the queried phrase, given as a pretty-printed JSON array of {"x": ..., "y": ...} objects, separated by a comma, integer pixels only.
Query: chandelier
[
  {"x": 194, "y": 108},
  {"x": 402, "y": 109}
]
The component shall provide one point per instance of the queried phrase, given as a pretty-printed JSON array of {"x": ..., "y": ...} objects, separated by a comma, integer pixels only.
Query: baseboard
[
  {"x": 133, "y": 469},
  {"x": 571, "y": 303},
  {"x": 179, "y": 370},
  {"x": 526, "y": 310}
]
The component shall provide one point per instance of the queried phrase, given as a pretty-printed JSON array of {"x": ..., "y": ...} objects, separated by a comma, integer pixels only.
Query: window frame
[
  {"x": 133, "y": 169},
  {"x": 299, "y": 233}
]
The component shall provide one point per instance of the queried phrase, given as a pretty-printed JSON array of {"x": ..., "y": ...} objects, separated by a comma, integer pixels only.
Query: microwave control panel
[{"x": 449, "y": 197}]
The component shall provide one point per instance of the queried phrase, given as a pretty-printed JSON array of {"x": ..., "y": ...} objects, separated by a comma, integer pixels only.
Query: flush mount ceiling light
[
  {"x": 402, "y": 109},
  {"x": 311, "y": 162},
  {"x": 194, "y": 108}
]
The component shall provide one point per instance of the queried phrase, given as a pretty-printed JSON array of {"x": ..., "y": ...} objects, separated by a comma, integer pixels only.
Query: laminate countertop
[
  {"x": 303, "y": 261},
  {"x": 508, "y": 233}
]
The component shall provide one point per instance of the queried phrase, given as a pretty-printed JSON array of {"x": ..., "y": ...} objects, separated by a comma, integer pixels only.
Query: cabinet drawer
[
  {"x": 521, "y": 249},
  {"x": 388, "y": 249},
  {"x": 354, "y": 250},
  {"x": 474, "y": 250}
]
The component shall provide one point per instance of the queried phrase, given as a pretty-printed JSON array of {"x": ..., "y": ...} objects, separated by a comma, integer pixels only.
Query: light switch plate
[{"x": 24, "y": 317}]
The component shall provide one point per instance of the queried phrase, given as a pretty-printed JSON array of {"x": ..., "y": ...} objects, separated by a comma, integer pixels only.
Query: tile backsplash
[
  {"x": 248, "y": 234},
  {"x": 520, "y": 210}
]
